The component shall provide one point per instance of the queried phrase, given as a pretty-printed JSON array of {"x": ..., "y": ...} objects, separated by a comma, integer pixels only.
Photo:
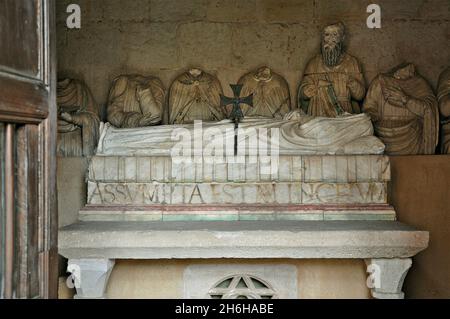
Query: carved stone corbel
[
  {"x": 90, "y": 277},
  {"x": 387, "y": 277}
]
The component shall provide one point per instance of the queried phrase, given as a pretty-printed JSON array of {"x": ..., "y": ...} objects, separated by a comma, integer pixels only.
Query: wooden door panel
[
  {"x": 23, "y": 101},
  {"x": 28, "y": 255},
  {"x": 27, "y": 212},
  {"x": 2, "y": 207},
  {"x": 21, "y": 31}
]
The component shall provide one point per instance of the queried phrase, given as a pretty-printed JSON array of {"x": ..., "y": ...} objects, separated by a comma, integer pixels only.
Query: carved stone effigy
[
  {"x": 271, "y": 97},
  {"x": 298, "y": 135},
  {"x": 78, "y": 119},
  {"x": 137, "y": 167},
  {"x": 444, "y": 107},
  {"x": 404, "y": 110}
]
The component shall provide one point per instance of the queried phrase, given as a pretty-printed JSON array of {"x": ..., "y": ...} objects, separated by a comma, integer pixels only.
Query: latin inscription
[{"x": 235, "y": 193}]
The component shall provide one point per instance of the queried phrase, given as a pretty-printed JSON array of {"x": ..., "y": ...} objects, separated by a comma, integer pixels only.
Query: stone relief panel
[
  {"x": 242, "y": 287},
  {"x": 240, "y": 281}
]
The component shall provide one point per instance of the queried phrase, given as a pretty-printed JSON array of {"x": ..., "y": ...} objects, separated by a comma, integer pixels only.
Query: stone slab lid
[{"x": 242, "y": 239}]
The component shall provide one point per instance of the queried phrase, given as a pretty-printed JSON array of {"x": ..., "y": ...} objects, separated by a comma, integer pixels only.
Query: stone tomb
[
  {"x": 351, "y": 187},
  {"x": 320, "y": 205}
]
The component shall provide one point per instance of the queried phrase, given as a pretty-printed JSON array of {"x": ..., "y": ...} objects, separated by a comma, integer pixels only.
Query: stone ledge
[
  {"x": 266, "y": 212},
  {"x": 274, "y": 239}
]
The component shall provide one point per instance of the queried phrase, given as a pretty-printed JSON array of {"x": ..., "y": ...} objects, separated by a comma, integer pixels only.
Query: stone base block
[{"x": 238, "y": 213}]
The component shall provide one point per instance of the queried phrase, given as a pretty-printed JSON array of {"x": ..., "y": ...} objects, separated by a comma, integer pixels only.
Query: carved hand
[
  {"x": 396, "y": 96},
  {"x": 67, "y": 117},
  {"x": 323, "y": 84},
  {"x": 146, "y": 99},
  {"x": 310, "y": 91},
  {"x": 149, "y": 119},
  {"x": 351, "y": 81},
  {"x": 294, "y": 115}
]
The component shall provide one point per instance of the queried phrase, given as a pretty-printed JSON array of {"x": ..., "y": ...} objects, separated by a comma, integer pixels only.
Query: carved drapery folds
[
  {"x": 401, "y": 104},
  {"x": 271, "y": 97},
  {"x": 78, "y": 119},
  {"x": 333, "y": 82},
  {"x": 195, "y": 95},
  {"x": 404, "y": 111},
  {"x": 444, "y": 107},
  {"x": 135, "y": 101}
]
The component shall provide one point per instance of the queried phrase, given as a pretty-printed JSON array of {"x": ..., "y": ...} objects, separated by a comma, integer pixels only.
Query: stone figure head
[
  {"x": 332, "y": 47},
  {"x": 195, "y": 72},
  {"x": 404, "y": 71},
  {"x": 263, "y": 74}
]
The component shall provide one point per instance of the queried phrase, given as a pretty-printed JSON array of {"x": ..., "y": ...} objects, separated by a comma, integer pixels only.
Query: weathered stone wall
[
  {"x": 72, "y": 188},
  {"x": 420, "y": 191},
  {"x": 230, "y": 37}
]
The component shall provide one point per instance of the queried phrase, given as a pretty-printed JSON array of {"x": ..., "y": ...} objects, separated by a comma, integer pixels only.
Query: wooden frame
[{"x": 28, "y": 109}]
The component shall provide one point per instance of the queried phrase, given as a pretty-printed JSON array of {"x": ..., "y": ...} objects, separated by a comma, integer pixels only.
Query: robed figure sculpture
[
  {"x": 333, "y": 83},
  {"x": 195, "y": 95},
  {"x": 78, "y": 119},
  {"x": 404, "y": 111}
]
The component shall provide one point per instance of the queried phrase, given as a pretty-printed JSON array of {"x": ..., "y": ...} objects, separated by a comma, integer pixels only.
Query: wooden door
[{"x": 28, "y": 216}]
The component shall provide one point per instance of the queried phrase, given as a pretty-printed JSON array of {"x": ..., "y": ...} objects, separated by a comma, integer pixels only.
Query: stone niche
[
  {"x": 313, "y": 205},
  {"x": 164, "y": 37},
  {"x": 147, "y": 218}
]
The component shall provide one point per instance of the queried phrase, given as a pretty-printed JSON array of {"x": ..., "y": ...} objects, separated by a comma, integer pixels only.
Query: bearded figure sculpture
[{"x": 333, "y": 83}]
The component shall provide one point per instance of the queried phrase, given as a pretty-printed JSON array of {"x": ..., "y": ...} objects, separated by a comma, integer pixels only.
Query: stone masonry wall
[{"x": 231, "y": 37}]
